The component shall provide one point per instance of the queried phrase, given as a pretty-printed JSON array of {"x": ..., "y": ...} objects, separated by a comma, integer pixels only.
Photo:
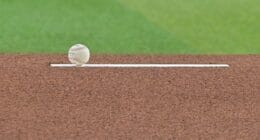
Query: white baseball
[{"x": 79, "y": 54}]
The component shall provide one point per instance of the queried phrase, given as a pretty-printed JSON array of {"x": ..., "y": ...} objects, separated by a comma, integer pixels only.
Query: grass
[{"x": 131, "y": 26}]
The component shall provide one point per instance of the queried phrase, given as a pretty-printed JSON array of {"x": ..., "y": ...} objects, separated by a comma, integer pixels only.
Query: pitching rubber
[{"x": 142, "y": 65}]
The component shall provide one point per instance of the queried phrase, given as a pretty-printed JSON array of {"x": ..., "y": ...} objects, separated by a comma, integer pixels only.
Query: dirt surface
[{"x": 38, "y": 102}]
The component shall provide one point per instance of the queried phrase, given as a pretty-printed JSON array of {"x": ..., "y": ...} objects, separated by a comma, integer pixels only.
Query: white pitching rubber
[{"x": 142, "y": 65}]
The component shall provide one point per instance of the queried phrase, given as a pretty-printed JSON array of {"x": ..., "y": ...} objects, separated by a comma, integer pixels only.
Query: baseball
[{"x": 79, "y": 54}]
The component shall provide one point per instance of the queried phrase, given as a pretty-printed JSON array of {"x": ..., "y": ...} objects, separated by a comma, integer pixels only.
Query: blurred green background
[{"x": 131, "y": 26}]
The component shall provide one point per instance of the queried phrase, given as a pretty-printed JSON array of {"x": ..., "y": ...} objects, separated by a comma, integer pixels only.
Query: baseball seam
[
  {"x": 75, "y": 59},
  {"x": 78, "y": 49}
]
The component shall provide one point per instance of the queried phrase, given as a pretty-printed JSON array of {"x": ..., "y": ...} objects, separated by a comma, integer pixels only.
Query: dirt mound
[{"x": 39, "y": 102}]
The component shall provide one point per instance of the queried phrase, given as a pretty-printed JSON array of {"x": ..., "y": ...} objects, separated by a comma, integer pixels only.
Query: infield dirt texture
[{"x": 39, "y": 102}]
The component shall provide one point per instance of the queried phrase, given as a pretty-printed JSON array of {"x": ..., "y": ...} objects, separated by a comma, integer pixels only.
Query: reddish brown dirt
[{"x": 39, "y": 102}]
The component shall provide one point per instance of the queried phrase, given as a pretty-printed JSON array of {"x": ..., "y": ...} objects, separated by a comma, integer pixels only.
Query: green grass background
[{"x": 131, "y": 26}]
